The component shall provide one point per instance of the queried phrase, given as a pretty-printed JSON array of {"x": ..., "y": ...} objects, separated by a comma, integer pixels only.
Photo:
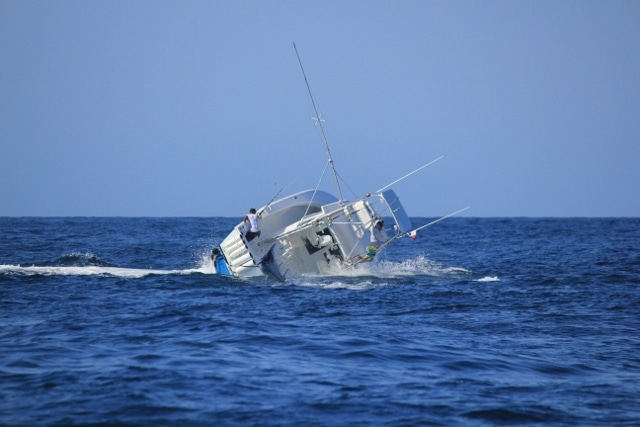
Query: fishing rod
[
  {"x": 410, "y": 173},
  {"x": 270, "y": 201},
  {"x": 440, "y": 219},
  {"x": 319, "y": 121}
]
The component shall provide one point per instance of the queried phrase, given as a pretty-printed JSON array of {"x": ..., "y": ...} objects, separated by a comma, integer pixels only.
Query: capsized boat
[{"x": 314, "y": 232}]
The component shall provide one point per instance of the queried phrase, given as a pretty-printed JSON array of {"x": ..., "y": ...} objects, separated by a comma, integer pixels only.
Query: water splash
[
  {"x": 418, "y": 266},
  {"x": 205, "y": 263},
  {"x": 379, "y": 274}
]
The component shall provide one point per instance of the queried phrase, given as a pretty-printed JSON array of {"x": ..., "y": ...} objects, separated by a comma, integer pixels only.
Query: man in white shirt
[{"x": 254, "y": 225}]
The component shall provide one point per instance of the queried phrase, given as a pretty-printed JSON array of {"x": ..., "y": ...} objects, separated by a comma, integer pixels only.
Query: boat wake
[
  {"x": 362, "y": 276},
  {"x": 90, "y": 271},
  {"x": 78, "y": 264}
]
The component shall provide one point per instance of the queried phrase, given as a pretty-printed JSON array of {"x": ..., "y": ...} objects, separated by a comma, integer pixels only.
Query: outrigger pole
[
  {"x": 319, "y": 123},
  {"x": 396, "y": 237},
  {"x": 409, "y": 174},
  {"x": 441, "y": 218}
]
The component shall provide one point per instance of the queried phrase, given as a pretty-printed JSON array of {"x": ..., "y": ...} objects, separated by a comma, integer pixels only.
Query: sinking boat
[{"x": 314, "y": 232}]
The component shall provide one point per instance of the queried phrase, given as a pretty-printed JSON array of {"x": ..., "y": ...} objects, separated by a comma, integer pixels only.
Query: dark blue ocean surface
[{"x": 118, "y": 321}]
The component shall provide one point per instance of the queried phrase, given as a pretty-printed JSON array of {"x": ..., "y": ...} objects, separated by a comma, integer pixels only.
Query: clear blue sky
[{"x": 199, "y": 108}]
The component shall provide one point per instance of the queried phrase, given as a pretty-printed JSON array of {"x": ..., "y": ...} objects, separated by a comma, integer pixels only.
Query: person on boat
[
  {"x": 253, "y": 222},
  {"x": 378, "y": 237}
]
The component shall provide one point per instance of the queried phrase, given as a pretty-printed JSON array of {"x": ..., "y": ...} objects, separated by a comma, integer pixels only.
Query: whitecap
[
  {"x": 489, "y": 279},
  {"x": 338, "y": 284}
]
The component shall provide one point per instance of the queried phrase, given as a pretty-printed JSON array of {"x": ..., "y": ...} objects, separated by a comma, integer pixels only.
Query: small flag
[{"x": 413, "y": 234}]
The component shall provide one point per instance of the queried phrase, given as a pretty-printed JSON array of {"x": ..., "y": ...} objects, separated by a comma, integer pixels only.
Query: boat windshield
[{"x": 396, "y": 211}]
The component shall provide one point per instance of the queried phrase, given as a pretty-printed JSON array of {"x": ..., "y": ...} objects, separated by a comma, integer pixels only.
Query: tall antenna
[{"x": 319, "y": 123}]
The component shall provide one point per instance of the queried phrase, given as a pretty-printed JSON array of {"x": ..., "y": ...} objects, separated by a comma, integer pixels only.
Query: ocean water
[{"x": 507, "y": 321}]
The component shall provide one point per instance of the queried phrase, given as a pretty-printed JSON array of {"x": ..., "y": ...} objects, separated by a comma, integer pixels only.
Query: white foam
[
  {"x": 338, "y": 284},
  {"x": 419, "y": 265},
  {"x": 92, "y": 271},
  {"x": 383, "y": 269},
  {"x": 206, "y": 265},
  {"x": 489, "y": 279}
]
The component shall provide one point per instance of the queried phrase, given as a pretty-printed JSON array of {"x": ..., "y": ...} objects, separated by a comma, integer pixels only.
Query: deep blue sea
[{"x": 507, "y": 321}]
